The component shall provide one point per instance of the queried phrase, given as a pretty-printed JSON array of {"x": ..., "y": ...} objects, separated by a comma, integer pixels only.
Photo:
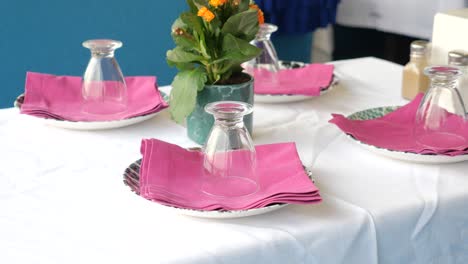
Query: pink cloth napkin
[
  {"x": 309, "y": 80},
  {"x": 59, "y": 97},
  {"x": 171, "y": 175},
  {"x": 395, "y": 131}
]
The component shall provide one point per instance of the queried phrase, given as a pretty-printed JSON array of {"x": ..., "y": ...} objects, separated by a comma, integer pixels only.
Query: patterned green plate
[
  {"x": 377, "y": 112},
  {"x": 372, "y": 113}
]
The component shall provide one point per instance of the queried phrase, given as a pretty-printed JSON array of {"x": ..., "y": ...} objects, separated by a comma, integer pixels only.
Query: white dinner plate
[
  {"x": 132, "y": 180},
  {"x": 92, "y": 125},
  {"x": 288, "y": 98},
  {"x": 399, "y": 155},
  {"x": 223, "y": 214}
]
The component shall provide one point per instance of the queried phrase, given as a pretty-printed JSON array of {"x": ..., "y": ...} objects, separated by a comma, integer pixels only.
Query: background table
[
  {"x": 410, "y": 18},
  {"x": 62, "y": 199}
]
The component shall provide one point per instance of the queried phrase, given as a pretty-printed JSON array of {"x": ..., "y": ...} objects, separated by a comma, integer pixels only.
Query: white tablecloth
[{"x": 62, "y": 199}]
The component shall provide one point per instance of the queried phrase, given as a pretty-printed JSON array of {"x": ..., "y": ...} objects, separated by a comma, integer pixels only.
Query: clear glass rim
[
  {"x": 229, "y": 109},
  {"x": 107, "y": 44},
  {"x": 442, "y": 72},
  {"x": 265, "y": 30},
  {"x": 268, "y": 28}
]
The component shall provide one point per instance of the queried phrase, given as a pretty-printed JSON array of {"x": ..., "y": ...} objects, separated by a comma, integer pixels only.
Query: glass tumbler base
[
  {"x": 103, "y": 108},
  {"x": 442, "y": 140},
  {"x": 229, "y": 187}
]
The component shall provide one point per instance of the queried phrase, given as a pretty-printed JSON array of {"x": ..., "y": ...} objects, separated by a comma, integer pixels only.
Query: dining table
[{"x": 63, "y": 200}]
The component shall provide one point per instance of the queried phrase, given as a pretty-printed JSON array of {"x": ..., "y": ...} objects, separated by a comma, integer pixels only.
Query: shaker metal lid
[
  {"x": 419, "y": 47},
  {"x": 458, "y": 58}
]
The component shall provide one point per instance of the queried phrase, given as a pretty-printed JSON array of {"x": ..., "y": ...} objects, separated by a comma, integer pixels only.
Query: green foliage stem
[{"x": 209, "y": 52}]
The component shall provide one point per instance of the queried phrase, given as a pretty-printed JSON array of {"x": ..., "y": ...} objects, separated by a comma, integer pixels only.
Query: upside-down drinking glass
[
  {"x": 441, "y": 113},
  {"x": 229, "y": 154},
  {"x": 103, "y": 87},
  {"x": 267, "y": 63}
]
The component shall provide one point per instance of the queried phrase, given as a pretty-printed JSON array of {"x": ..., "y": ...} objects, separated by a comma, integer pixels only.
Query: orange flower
[
  {"x": 261, "y": 17},
  {"x": 216, "y": 3},
  {"x": 206, "y": 14}
]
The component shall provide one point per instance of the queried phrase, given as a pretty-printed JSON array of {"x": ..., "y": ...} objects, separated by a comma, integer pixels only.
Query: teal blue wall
[
  {"x": 294, "y": 47},
  {"x": 46, "y": 35}
]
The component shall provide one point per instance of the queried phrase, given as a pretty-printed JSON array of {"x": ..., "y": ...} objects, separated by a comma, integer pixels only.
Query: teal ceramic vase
[{"x": 199, "y": 122}]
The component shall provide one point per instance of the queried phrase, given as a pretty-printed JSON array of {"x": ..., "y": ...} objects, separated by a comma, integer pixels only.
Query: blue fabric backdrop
[
  {"x": 299, "y": 16},
  {"x": 296, "y": 20}
]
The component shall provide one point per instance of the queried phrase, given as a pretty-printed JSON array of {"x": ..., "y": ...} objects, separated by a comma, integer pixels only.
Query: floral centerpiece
[{"x": 212, "y": 41}]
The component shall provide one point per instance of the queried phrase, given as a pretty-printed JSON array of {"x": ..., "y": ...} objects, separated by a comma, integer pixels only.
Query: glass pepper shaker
[{"x": 459, "y": 59}]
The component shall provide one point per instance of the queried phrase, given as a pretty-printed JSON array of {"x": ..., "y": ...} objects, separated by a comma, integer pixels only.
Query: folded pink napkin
[
  {"x": 171, "y": 175},
  {"x": 59, "y": 97},
  {"x": 309, "y": 80},
  {"x": 395, "y": 131}
]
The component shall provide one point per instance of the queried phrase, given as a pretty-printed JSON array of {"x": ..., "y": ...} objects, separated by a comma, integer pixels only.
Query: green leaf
[
  {"x": 242, "y": 25},
  {"x": 178, "y": 23},
  {"x": 193, "y": 7},
  {"x": 193, "y": 21},
  {"x": 237, "y": 50},
  {"x": 181, "y": 66},
  {"x": 244, "y": 5},
  {"x": 232, "y": 44},
  {"x": 200, "y": 3},
  {"x": 227, "y": 66},
  {"x": 178, "y": 54},
  {"x": 187, "y": 42},
  {"x": 183, "y": 96},
  {"x": 237, "y": 68},
  {"x": 203, "y": 47}
]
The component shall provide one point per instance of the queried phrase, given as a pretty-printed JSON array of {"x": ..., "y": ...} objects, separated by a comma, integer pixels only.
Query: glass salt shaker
[
  {"x": 229, "y": 154},
  {"x": 441, "y": 113},
  {"x": 459, "y": 59},
  {"x": 104, "y": 90}
]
